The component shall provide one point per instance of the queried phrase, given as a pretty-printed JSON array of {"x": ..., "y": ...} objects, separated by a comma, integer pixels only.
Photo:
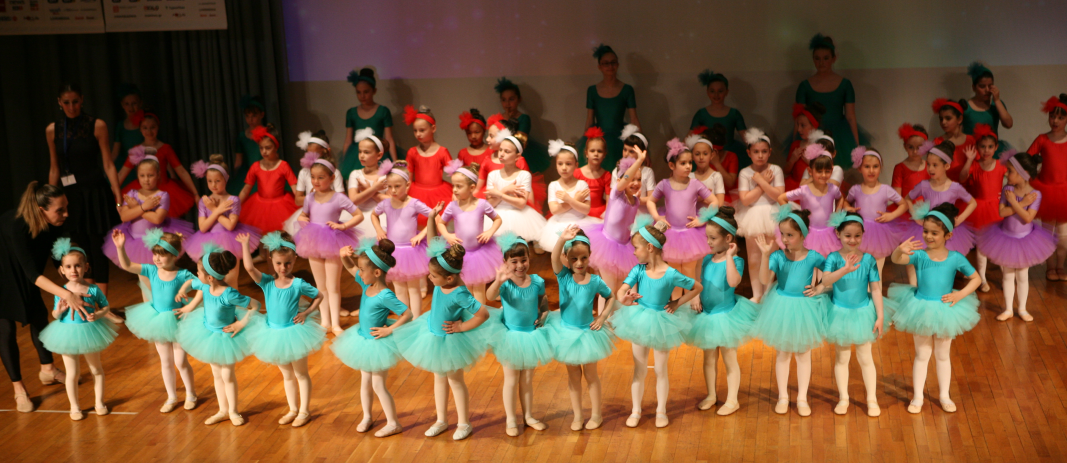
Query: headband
[
  {"x": 982, "y": 130},
  {"x": 786, "y": 213},
  {"x": 435, "y": 249},
  {"x": 325, "y": 163},
  {"x": 305, "y": 138},
  {"x": 944, "y": 219},
  {"x": 411, "y": 115},
  {"x": 366, "y": 247},
  {"x": 977, "y": 71},
  {"x": 556, "y": 146},
  {"x": 707, "y": 77},
  {"x": 154, "y": 237},
  {"x": 259, "y": 132},
  {"x": 941, "y": 154},
  {"x": 799, "y": 109},
  {"x": 907, "y": 131},
  {"x": 631, "y": 129},
  {"x": 754, "y": 135},
  {"x": 814, "y": 150},
  {"x": 648, "y": 237},
  {"x": 942, "y": 102},
  {"x": 708, "y": 214},
  {"x": 368, "y": 134},
  {"x": 355, "y": 77},
  {"x": 593, "y": 132},
  {"x": 466, "y": 119},
  {"x": 1051, "y": 104},
  {"x": 577, "y": 238},
  {"x": 62, "y": 247},
  {"x": 508, "y": 240},
  {"x": 515, "y": 141},
  {"x": 859, "y": 152},
  {"x": 402, "y": 174},
  {"x": 840, "y": 217},
  {"x": 922, "y": 209},
  {"x": 1008, "y": 157},
  {"x": 200, "y": 168},
  {"x": 495, "y": 119},
  {"x": 274, "y": 241},
  {"x": 817, "y": 135},
  {"x": 209, "y": 249},
  {"x": 675, "y": 147},
  {"x": 456, "y": 165}
]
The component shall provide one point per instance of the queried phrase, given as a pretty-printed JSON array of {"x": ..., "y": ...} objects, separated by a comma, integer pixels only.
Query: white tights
[
  {"x": 866, "y": 361},
  {"x": 1011, "y": 276},
  {"x": 410, "y": 294},
  {"x": 924, "y": 346},
  {"x": 733, "y": 372},
  {"x": 327, "y": 274},
  {"x": 982, "y": 262},
  {"x": 297, "y": 384},
  {"x": 754, "y": 262},
  {"x": 171, "y": 356},
  {"x": 663, "y": 385},
  {"x": 574, "y": 386},
  {"x": 373, "y": 383},
  {"x": 520, "y": 381},
  {"x": 441, "y": 384},
  {"x": 225, "y": 388},
  {"x": 781, "y": 371},
  {"x": 73, "y": 364}
]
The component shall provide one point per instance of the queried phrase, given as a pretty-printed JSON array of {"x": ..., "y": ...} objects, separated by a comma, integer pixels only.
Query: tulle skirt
[
  {"x": 526, "y": 223},
  {"x": 282, "y": 346},
  {"x": 685, "y": 245},
  {"x": 847, "y": 327},
  {"x": 479, "y": 265},
  {"x": 962, "y": 240},
  {"x": 181, "y": 200},
  {"x": 1013, "y": 252},
  {"x": 517, "y": 350},
  {"x": 987, "y": 213},
  {"x": 431, "y": 196},
  {"x": 146, "y": 323},
  {"x": 227, "y": 239},
  {"x": 364, "y": 228},
  {"x": 440, "y": 354},
  {"x": 557, "y": 224},
  {"x": 78, "y": 338},
  {"x": 757, "y": 220},
  {"x": 608, "y": 255},
  {"x": 932, "y": 318},
  {"x": 411, "y": 263},
  {"x": 216, "y": 348},
  {"x": 577, "y": 346},
  {"x": 135, "y": 248},
  {"x": 822, "y": 240},
  {"x": 728, "y": 329},
  {"x": 791, "y": 324},
  {"x": 267, "y": 214},
  {"x": 653, "y": 328},
  {"x": 1053, "y": 201},
  {"x": 360, "y": 353},
  {"x": 319, "y": 241},
  {"x": 880, "y": 239}
]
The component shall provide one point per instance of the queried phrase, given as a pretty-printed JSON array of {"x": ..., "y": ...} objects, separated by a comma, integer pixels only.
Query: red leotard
[
  {"x": 270, "y": 205},
  {"x": 597, "y": 187},
  {"x": 1052, "y": 180},
  {"x": 985, "y": 187}
]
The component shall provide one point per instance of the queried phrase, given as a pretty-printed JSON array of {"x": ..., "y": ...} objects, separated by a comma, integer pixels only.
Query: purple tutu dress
[
  {"x": 612, "y": 250},
  {"x": 316, "y": 240},
  {"x": 879, "y": 239},
  {"x": 411, "y": 261},
  {"x": 219, "y": 235},
  {"x": 135, "y": 230},
  {"x": 481, "y": 260},
  {"x": 962, "y": 240},
  {"x": 822, "y": 238},
  {"x": 1013, "y": 243},
  {"x": 683, "y": 244}
]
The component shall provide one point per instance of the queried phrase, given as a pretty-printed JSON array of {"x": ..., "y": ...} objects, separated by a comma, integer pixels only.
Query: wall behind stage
[{"x": 900, "y": 56}]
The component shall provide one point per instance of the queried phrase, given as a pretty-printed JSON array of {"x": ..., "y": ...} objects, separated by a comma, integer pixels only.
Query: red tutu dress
[
  {"x": 181, "y": 200},
  {"x": 270, "y": 205},
  {"x": 427, "y": 173},
  {"x": 792, "y": 181},
  {"x": 540, "y": 190},
  {"x": 597, "y": 187},
  {"x": 959, "y": 158},
  {"x": 1052, "y": 180},
  {"x": 468, "y": 158},
  {"x": 985, "y": 187}
]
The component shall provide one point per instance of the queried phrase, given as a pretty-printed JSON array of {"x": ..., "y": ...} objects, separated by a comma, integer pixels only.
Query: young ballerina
[
  {"x": 983, "y": 177},
  {"x": 71, "y": 334},
  {"x": 322, "y": 233},
  {"x": 932, "y": 311},
  {"x": 792, "y": 316},
  {"x": 592, "y": 173},
  {"x": 286, "y": 339},
  {"x": 218, "y": 215},
  {"x": 941, "y": 189},
  {"x": 213, "y": 334},
  {"x": 368, "y": 115},
  {"x": 579, "y": 339},
  {"x": 568, "y": 197},
  {"x": 837, "y": 173},
  {"x": 612, "y": 254},
  {"x": 686, "y": 244},
  {"x": 473, "y": 124},
  {"x": 468, "y": 215},
  {"x": 427, "y": 160},
  {"x": 401, "y": 212},
  {"x": 649, "y": 318},
  {"x": 183, "y": 193},
  {"x": 268, "y": 207},
  {"x": 806, "y": 119},
  {"x": 908, "y": 173},
  {"x": 1052, "y": 182},
  {"x": 154, "y": 321},
  {"x": 856, "y": 313},
  {"x": 632, "y": 142},
  {"x": 518, "y": 337},
  {"x": 447, "y": 340},
  {"x": 315, "y": 146},
  {"x": 758, "y": 187},
  {"x": 509, "y": 192},
  {"x": 535, "y": 154},
  {"x": 1016, "y": 243},
  {"x": 497, "y": 130},
  {"x": 869, "y": 200},
  {"x": 366, "y": 186},
  {"x": 950, "y": 115},
  {"x": 713, "y": 166},
  {"x": 723, "y": 320},
  {"x": 368, "y": 347},
  {"x": 819, "y": 198}
]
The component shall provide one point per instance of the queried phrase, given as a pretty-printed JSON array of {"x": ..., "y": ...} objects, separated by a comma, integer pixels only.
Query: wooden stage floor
[{"x": 1008, "y": 382}]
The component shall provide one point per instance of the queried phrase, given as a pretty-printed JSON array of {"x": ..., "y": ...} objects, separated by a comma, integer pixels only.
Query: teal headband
[
  {"x": 943, "y": 218},
  {"x": 435, "y": 249},
  {"x": 578, "y": 238},
  {"x": 274, "y": 240},
  {"x": 725, "y": 225},
  {"x": 800, "y": 224},
  {"x": 154, "y": 237},
  {"x": 651, "y": 239},
  {"x": 707, "y": 214},
  {"x": 209, "y": 249},
  {"x": 366, "y": 247},
  {"x": 62, "y": 247},
  {"x": 444, "y": 265}
]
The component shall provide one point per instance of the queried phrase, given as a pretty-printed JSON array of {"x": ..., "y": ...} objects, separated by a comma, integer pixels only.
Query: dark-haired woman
[
  {"x": 985, "y": 107},
  {"x": 717, "y": 113},
  {"x": 836, "y": 95},
  {"x": 367, "y": 114},
  {"x": 608, "y": 103}
]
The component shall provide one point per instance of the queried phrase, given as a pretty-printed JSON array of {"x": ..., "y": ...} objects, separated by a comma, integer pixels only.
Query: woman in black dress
[{"x": 26, "y": 238}]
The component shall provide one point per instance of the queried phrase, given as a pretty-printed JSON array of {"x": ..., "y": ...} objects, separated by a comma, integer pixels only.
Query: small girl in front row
[
  {"x": 368, "y": 347},
  {"x": 580, "y": 340},
  {"x": 509, "y": 190},
  {"x": 1016, "y": 243},
  {"x": 154, "y": 321},
  {"x": 447, "y": 340},
  {"x": 72, "y": 334},
  {"x": 791, "y": 319},
  {"x": 218, "y": 215},
  {"x": 468, "y": 215},
  {"x": 869, "y": 200},
  {"x": 933, "y": 312},
  {"x": 819, "y": 198},
  {"x": 568, "y": 197},
  {"x": 213, "y": 334},
  {"x": 723, "y": 320},
  {"x": 401, "y": 212},
  {"x": 285, "y": 339},
  {"x": 519, "y": 340},
  {"x": 655, "y": 321}
]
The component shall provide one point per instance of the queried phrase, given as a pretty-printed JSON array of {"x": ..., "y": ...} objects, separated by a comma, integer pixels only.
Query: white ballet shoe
[
  {"x": 707, "y": 403},
  {"x": 633, "y": 420},
  {"x": 437, "y": 428},
  {"x": 365, "y": 425},
  {"x": 1026, "y": 316},
  {"x": 576, "y": 424},
  {"x": 782, "y": 407},
  {"x": 389, "y": 430},
  {"x": 948, "y": 405},
  {"x": 841, "y": 408},
  {"x": 1005, "y": 315},
  {"x": 463, "y": 431},
  {"x": 301, "y": 419},
  {"x": 803, "y": 409},
  {"x": 873, "y": 410},
  {"x": 289, "y": 417},
  {"x": 169, "y": 406},
  {"x": 728, "y": 408},
  {"x": 594, "y": 423},
  {"x": 535, "y": 424},
  {"x": 662, "y": 421},
  {"x": 217, "y": 418},
  {"x": 915, "y": 407},
  {"x": 512, "y": 429}
]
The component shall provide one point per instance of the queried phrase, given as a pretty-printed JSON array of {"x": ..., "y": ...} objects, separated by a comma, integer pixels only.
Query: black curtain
[{"x": 193, "y": 80}]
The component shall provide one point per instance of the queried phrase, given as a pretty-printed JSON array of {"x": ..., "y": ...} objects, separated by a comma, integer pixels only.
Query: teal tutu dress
[
  {"x": 517, "y": 342},
  {"x": 648, "y": 324},
  {"x": 280, "y": 341},
  {"x": 200, "y": 332},
  {"x": 357, "y": 347},
  {"x": 788, "y": 320},
  {"x": 155, "y": 321},
  {"x": 725, "y": 320},
  {"x": 424, "y": 343},
  {"x": 920, "y": 310},
  {"x": 70, "y": 335},
  {"x": 573, "y": 341},
  {"x": 851, "y": 314}
]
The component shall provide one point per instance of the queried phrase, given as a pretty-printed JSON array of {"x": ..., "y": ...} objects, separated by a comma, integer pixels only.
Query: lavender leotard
[
  {"x": 235, "y": 210},
  {"x": 871, "y": 204},
  {"x": 955, "y": 192},
  {"x": 469, "y": 224},
  {"x": 820, "y": 206},
  {"x": 1012, "y": 225},
  {"x": 681, "y": 204},
  {"x": 330, "y": 211},
  {"x": 140, "y": 225},
  {"x": 619, "y": 216},
  {"x": 403, "y": 224}
]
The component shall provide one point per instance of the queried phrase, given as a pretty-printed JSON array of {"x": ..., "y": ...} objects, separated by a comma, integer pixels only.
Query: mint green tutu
[
  {"x": 577, "y": 346},
  {"x": 149, "y": 325},
  {"x": 440, "y": 354},
  {"x": 932, "y": 318},
  {"x": 517, "y": 350},
  {"x": 791, "y": 324},
  {"x": 360, "y": 353},
  {"x": 216, "y": 348},
  {"x": 852, "y": 327},
  {"x": 78, "y": 338},
  {"x": 725, "y": 329},
  {"x": 282, "y": 346},
  {"x": 653, "y": 328}
]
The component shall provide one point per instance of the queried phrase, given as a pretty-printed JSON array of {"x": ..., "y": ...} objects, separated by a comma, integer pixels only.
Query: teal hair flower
[
  {"x": 920, "y": 209},
  {"x": 273, "y": 241},
  {"x": 61, "y": 248},
  {"x": 436, "y": 247},
  {"x": 508, "y": 240},
  {"x": 708, "y": 213},
  {"x": 641, "y": 221}
]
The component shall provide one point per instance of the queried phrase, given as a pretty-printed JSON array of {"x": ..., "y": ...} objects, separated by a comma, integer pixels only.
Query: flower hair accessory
[
  {"x": 922, "y": 209},
  {"x": 640, "y": 222},
  {"x": 62, "y": 247},
  {"x": 309, "y": 159},
  {"x": 859, "y": 152},
  {"x": 495, "y": 119},
  {"x": 754, "y": 135},
  {"x": 907, "y": 131},
  {"x": 692, "y": 140},
  {"x": 508, "y": 240},
  {"x": 368, "y": 133},
  {"x": 593, "y": 132},
  {"x": 707, "y": 78},
  {"x": 814, "y": 150},
  {"x": 411, "y": 115},
  {"x": 977, "y": 71},
  {"x": 210, "y": 248},
  {"x": 624, "y": 165},
  {"x": 799, "y": 109},
  {"x": 675, "y": 147},
  {"x": 139, "y": 153},
  {"x": 1008, "y": 157},
  {"x": 928, "y": 147},
  {"x": 1051, "y": 104},
  {"x": 709, "y": 214},
  {"x": 631, "y": 129},
  {"x": 556, "y": 146},
  {"x": 842, "y": 216},
  {"x": 456, "y": 165},
  {"x": 366, "y": 248},
  {"x": 259, "y": 132},
  {"x": 435, "y": 249},
  {"x": 385, "y": 167},
  {"x": 501, "y": 135},
  {"x": 942, "y": 102},
  {"x": 983, "y": 130},
  {"x": 815, "y": 135},
  {"x": 304, "y": 139},
  {"x": 466, "y": 119},
  {"x": 274, "y": 241},
  {"x": 786, "y": 213},
  {"x": 154, "y": 237},
  {"x": 199, "y": 169}
]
